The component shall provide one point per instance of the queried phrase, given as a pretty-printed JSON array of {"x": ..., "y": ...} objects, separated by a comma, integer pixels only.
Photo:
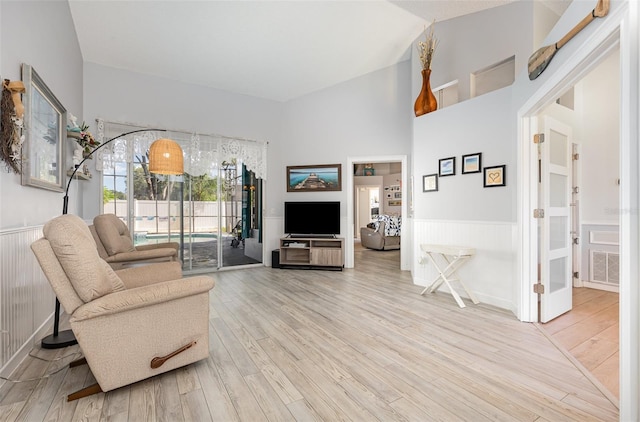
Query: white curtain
[{"x": 201, "y": 152}]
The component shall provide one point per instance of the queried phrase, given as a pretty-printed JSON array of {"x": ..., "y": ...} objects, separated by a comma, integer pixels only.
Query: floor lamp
[{"x": 165, "y": 157}]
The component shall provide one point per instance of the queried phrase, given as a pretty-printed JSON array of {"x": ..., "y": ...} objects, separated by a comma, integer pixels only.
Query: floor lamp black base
[{"x": 63, "y": 339}]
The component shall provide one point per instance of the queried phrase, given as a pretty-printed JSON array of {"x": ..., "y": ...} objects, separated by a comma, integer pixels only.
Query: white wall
[
  {"x": 482, "y": 124},
  {"x": 462, "y": 211},
  {"x": 388, "y": 181},
  {"x": 485, "y": 124},
  {"x": 123, "y": 96},
  {"x": 366, "y": 116},
  {"x": 41, "y": 34},
  {"x": 543, "y": 22},
  {"x": 477, "y": 41},
  {"x": 598, "y": 105},
  {"x": 488, "y": 274}
]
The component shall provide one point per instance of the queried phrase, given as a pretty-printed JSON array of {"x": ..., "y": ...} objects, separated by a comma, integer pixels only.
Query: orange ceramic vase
[{"x": 426, "y": 101}]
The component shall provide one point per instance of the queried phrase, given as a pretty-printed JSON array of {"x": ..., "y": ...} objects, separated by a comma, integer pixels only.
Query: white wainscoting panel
[
  {"x": 27, "y": 301},
  {"x": 489, "y": 274},
  {"x": 273, "y": 229}
]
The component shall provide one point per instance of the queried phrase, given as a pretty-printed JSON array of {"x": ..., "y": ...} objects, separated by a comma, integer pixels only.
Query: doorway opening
[
  {"x": 576, "y": 164},
  {"x": 377, "y": 189},
  {"x": 377, "y": 209},
  {"x": 367, "y": 203}
]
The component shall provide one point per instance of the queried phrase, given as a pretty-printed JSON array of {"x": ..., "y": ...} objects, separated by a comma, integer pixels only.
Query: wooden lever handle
[{"x": 157, "y": 362}]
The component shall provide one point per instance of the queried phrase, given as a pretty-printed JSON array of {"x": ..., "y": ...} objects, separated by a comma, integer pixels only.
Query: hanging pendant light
[{"x": 165, "y": 157}]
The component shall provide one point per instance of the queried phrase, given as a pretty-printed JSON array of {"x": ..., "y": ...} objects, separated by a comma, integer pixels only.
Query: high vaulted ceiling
[{"x": 276, "y": 50}]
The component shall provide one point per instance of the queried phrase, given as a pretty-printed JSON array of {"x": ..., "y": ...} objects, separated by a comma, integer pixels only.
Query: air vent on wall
[{"x": 604, "y": 267}]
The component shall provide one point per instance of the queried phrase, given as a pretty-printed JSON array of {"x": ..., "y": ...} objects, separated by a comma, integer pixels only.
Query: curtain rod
[{"x": 134, "y": 125}]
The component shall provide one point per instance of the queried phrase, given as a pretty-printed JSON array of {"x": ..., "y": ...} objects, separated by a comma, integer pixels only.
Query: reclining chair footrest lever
[{"x": 157, "y": 362}]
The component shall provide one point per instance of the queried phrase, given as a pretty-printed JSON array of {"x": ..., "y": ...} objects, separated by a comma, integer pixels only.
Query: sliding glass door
[{"x": 215, "y": 217}]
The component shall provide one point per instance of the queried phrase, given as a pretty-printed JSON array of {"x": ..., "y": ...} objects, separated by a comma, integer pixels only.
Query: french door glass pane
[
  {"x": 558, "y": 148},
  {"x": 558, "y": 274},
  {"x": 156, "y": 212},
  {"x": 114, "y": 190},
  {"x": 200, "y": 216},
  {"x": 558, "y": 190},
  {"x": 232, "y": 239},
  {"x": 558, "y": 232}
]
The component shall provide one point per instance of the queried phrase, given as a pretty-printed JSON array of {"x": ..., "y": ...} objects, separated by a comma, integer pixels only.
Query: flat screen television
[{"x": 320, "y": 218}]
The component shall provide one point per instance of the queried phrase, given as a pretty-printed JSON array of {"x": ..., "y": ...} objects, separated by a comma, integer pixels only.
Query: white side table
[{"x": 451, "y": 259}]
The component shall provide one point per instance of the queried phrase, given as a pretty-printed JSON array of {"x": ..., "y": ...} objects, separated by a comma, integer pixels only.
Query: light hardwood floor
[
  {"x": 361, "y": 345},
  {"x": 590, "y": 332}
]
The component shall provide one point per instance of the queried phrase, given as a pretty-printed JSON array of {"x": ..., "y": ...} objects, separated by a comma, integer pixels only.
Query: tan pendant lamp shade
[{"x": 165, "y": 157}]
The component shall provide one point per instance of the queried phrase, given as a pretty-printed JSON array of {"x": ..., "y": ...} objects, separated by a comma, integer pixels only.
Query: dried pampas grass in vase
[{"x": 426, "y": 101}]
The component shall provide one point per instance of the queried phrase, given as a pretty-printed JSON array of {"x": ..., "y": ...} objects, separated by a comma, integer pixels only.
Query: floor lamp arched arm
[
  {"x": 65, "y": 201},
  {"x": 65, "y": 338}
]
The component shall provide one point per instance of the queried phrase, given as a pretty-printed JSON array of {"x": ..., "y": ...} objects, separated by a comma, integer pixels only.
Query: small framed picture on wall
[
  {"x": 447, "y": 166},
  {"x": 430, "y": 183},
  {"x": 472, "y": 163},
  {"x": 495, "y": 176}
]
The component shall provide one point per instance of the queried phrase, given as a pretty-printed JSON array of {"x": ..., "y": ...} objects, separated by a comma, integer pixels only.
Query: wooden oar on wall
[{"x": 539, "y": 60}]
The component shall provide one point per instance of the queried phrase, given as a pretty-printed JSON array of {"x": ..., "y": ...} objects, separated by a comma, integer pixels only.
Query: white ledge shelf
[{"x": 79, "y": 175}]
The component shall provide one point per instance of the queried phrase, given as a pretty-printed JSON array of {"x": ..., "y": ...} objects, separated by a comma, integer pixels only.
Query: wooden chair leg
[
  {"x": 78, "y": 362},
  {"x": 87, "y": 391}
]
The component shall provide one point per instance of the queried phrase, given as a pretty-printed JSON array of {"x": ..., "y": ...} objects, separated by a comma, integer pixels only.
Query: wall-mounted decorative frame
[
  {"x": 430, "y": 183},
  {"x": 395, "y": 203},
  {"x": 472, "y": 163},
  {"x": 45, "y": 132},
  {"x": 447, "y": 167},
  {"x": 495, "y": 176},
  {"x": 317, "y": 178}
]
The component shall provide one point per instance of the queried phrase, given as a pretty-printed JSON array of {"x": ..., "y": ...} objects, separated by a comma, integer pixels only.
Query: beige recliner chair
[
  {"x": 375, "y": 239},
  {"x": 115, "y": 246},
  {"x": 382, "y": 234},
  {"x": 131, "y": 324}
]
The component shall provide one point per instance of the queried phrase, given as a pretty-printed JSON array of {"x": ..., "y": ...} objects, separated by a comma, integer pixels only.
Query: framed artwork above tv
[{"x": 316, "y": 178}]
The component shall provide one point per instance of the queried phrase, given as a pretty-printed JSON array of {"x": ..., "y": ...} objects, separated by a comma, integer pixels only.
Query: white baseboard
[
  {"x": 483, "y": 298},
  {"x": 601, "y": 286},
  {"x": 26, "y": 347}
]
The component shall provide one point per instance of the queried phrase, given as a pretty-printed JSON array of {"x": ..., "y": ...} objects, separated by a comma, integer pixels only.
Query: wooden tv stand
[{"x": 312, "y": 252}]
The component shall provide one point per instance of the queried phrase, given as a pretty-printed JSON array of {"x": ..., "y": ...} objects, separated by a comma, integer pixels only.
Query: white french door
[{"x": 556, "y": 244}]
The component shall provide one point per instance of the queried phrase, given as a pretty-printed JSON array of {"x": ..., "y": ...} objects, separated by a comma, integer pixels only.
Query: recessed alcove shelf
[
  {"x": 447, "y": 94},
  {"x": 493, "y": 77}
]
